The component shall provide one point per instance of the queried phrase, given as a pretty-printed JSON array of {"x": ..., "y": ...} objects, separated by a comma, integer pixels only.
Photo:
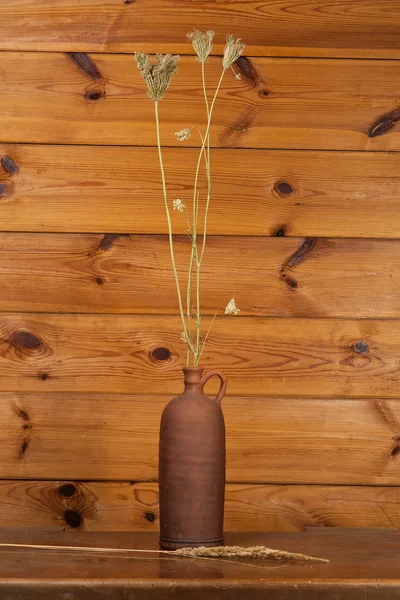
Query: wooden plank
[
  {"x": 331, "y": 194},
  {"x": 260, "y": 356},
  {"x": 353, "y": 28},
  {"x": 279, "y": 103},
  {"x": 359, "y": 564},
  {"x": 286, "y": 277},
  {"x": 129, "y": 506},
  {"x": 271, "y": 440}
]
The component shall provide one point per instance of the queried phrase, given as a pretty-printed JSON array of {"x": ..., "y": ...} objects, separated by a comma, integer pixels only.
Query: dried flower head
[
  {"x": 231, "y": 308},
  {"x": 202, "y": 43},
  {"x": 233, "y": 49},
  {"x": 178, "y": 204},
  {"x": 183, "y": 134},
  {"x": 157, "y": 75}
]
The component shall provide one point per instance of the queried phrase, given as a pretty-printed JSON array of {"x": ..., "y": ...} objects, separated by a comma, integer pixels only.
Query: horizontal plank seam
[
  {"x": 205, "y": 317},
  {"x": 214, "y": 148},
  {"x": 279, "y": 239},
  {"x": 168, "y": 396},
  {"x": 287, "y": 397},
  {"x": 228, "y": 482},
  {"x": 250, "y": 56}
]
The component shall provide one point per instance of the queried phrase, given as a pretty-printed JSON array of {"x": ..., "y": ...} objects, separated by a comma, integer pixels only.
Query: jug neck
[{"x": 192, "y": 378}]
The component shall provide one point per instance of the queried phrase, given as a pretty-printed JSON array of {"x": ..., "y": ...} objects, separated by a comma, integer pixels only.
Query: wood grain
[
  {"x": 260, "y": 356},
  {"x": 279, "y": 103},
  {"x": 271, "y": 440},
  {"x": 129, "y": 506},
  {"x": 117, "y": 189},
  {"x": 354, "y": 28},
  {"x": 285, "y": 277}
]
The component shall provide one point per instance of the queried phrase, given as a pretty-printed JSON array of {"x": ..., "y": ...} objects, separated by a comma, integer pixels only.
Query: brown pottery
[{"x": 192, "y": 465}]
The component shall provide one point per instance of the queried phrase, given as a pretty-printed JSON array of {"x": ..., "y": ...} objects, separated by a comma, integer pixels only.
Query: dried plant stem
[
  {"x": 171, "y": 245},
  {"x": 202, "y": 552},
  {"x": 205, "y": 141},
  {"x": 210, "y": 327},
  {"x": 207, "y": 163},
  {"x": 189, "y": 296},
  {"x": 251, "y": 552}
]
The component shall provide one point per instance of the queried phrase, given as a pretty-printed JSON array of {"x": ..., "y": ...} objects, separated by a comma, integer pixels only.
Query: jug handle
[{"x": 223, "y": 385}]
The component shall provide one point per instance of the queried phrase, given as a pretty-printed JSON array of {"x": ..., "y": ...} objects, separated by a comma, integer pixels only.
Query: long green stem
[
  {"x": 195, "y": 211},
  {"x": 171, "y": 245}
]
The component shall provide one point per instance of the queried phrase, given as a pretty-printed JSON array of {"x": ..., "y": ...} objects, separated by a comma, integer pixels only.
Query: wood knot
[
  {"x": 360, "y": 347},
  {"x": 99, "y": 280},
  {"x": 150, "y": 516},
  {"x": 25, "y": 339},
  {"x": 263, "y": 93},
  {"x": 23, "y": 448},
  {"x": 248, "y": 71},
  {"x": 67, "y": 490},
  {"x": 280, "y": 232},
  {"x": 86, "y": 65},
  {"x": 3, "y": 189},
  {"x": 283, "y": 188},
  {"x": 94, "y": 95},
  {"x": 107, "y": 241},
  {"x": 43, "y": 376},
  {"x": 72, "y": 518},
  {"x": 384, "y": 124},
  {"x": 9, "y": 165},
  {"x": 161, "y": 354}
]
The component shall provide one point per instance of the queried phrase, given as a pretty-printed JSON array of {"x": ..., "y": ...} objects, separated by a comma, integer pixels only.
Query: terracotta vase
[{"x": 192, "y": 465}]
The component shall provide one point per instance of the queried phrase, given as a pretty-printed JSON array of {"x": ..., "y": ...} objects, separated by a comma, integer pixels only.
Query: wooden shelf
[{"x": 363, "y": 564}]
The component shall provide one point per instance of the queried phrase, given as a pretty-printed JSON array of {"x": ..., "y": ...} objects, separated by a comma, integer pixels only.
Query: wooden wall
[{"x": 305, "y": 228}]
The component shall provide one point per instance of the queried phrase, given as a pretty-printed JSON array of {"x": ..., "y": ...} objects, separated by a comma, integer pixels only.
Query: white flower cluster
[
  {"x": 183, "y": 134},
  {"x": 231, "y": 308},
  {"x": 178, "y": 204}
]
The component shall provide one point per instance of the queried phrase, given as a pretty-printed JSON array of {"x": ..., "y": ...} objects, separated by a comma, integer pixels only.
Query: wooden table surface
[{"x": 364, "y": 565}]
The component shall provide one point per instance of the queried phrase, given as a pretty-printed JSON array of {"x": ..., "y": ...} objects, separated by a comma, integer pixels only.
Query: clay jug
[{"x": 192, "y": 465}]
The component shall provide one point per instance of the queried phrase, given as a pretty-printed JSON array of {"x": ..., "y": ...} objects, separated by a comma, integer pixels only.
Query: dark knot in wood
[
  {"x": 107, "y": 241},
  {"x": 25, "y": 339},
  {"x": 161, "y": 353},
  {"x": 283, "y": 188},
  {"x": 299, "y": 256},
  {"x": 94, "y": 95},
  {"x": 86, "y": 65},
  {"x": 22, "y": 414},
  {"x": 248, "y": 71},
  {"x": 280, "y": 231},
  {"x": 302, "y": 253},
  {"x": 9, "y": 165},
  {"x": 23, "y": 449},
  {"x": 360, "y": 347},
  {"x": 384, "y": 124},
  {"x": 67, "y": 490},
  {"x": 150, "y": 516},
  {"x": 73, "y": 518}
]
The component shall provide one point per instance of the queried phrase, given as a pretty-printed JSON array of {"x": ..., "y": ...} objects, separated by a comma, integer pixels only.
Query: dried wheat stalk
[
  {"x": 201, "y": 552},
  {"x": 251, "y": 552}
]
